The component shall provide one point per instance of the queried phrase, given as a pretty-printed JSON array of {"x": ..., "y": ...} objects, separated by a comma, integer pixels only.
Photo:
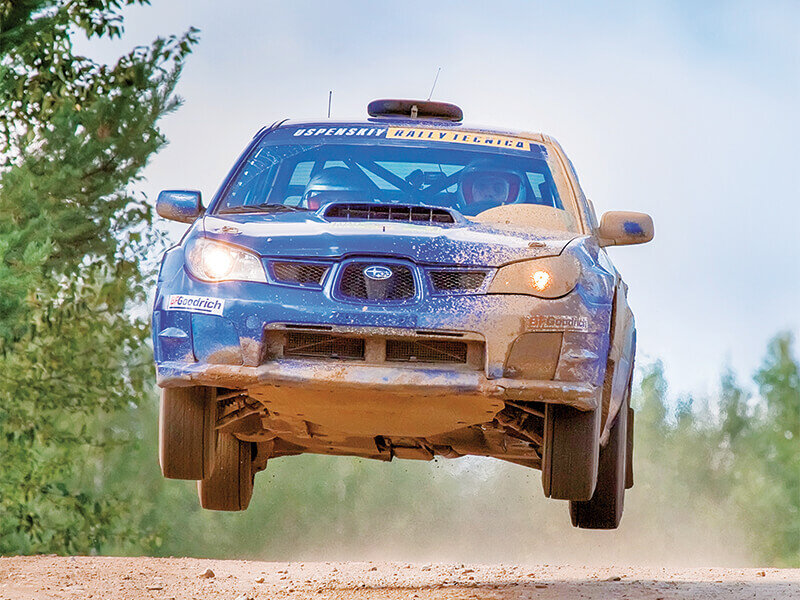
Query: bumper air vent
[
  {"x": 299, "y": 273},
  {"x": 388, "y": 212},
  {"x": 355, "y": 283},
  {"x": 322, "y": 345},
  {"x": 438, "y": 351},
  {"x": 454, "y": 282}
]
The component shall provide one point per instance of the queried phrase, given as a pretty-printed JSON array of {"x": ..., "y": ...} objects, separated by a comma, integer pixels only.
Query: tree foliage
[
  {"x": 733, "y": 461},
  {"x": 774, "y": 444},
  {"x": 75, "y": 134}
]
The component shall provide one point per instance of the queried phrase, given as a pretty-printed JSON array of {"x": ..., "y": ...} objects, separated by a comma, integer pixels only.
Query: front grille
[
  {"x": 457, "y": 281},
  {"x": 323, "y": 345},
  {"x": 441, "y": 351},
  {"x": 353, "y": 283},
  {"x": 299, "y": 273},
  {"x": 388, "y": 212}
]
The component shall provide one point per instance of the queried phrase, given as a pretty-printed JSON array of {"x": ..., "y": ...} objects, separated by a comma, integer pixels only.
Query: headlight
[
  {"x": 550, "y": 277},
  {"x": 215, "y": 261}
]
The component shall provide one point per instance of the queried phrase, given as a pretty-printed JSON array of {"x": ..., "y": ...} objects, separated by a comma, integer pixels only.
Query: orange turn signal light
[{"x": 540, "y": 280}]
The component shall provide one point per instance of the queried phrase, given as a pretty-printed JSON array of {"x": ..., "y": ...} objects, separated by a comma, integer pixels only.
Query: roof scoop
[
  {"x": 342, "y": 211},
  {"x": 415, "y": 109}
]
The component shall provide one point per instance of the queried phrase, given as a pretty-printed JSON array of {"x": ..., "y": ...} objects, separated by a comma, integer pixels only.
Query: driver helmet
[
  {"x": 485, "y": 184},
  {"x": 334, "y": 184}
]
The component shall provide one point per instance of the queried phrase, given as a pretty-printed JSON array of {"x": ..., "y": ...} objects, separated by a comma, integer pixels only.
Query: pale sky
[{"x": 685, "y": 110}]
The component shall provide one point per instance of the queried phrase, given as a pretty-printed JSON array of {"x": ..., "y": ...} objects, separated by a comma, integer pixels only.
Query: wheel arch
[{"x": 622, "y": 350}]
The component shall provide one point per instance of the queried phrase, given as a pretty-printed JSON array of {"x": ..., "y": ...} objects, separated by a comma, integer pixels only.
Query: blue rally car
[{"x": 405, "y": 286}]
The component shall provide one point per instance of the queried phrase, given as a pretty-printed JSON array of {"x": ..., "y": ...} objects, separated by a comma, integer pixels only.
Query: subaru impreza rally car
[{"x": 401, "y": 287}]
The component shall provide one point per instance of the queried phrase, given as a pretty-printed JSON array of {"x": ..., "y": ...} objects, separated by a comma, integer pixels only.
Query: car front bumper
[
  {"x": 313, "y": 374},
  {"x": 229, "y": 348}
]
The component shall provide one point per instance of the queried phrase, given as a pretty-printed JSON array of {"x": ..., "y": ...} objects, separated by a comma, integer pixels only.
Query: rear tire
[
  {"x": 629, "y": 453},
  {"x": 230, "y": 486},
  {"x": 571, "y": 452},
  {"x": 186, "y": 433},
  {"x": 604, "y": 509}
]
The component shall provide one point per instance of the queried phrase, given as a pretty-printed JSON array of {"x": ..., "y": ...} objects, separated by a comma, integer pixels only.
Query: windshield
[{"x": 291, "y": 170}]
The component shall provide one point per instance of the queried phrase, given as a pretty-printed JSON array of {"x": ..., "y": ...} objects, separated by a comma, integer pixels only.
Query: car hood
[{"x": 304, "y": 235}]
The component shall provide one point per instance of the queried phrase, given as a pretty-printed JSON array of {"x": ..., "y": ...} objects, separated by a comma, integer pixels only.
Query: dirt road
[{"x": 47, "y": 577}]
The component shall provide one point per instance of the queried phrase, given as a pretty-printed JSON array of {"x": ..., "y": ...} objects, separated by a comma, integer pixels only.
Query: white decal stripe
[{"x": 196, "y": 304}]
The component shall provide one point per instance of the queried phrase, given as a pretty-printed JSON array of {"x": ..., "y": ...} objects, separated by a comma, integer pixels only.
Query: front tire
[
  {"x": 230, "y": 486},
  {"x": 186, "y": 433},
  {"x": 571, "y": 451},
  {"x": 604, "y": 509}
]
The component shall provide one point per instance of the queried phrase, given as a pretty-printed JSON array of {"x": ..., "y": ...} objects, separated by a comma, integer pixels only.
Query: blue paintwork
[
  {"x": 179, "y": 205},
  {"x": 186, "y": 344},
  {"x": 310, "y": 236},
  {"x": 220, "y": 336},
  {"x": 633, "y": 228}
]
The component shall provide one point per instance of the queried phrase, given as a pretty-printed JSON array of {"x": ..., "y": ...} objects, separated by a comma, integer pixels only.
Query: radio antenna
[
  {"x": 433, "y": 87},
  {"x": 330, "y": 97}
]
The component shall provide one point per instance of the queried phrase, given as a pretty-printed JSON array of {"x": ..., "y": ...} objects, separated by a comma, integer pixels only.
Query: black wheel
[
  {"x": 230, "y": 485},
  {"x": 186, "y": 432},
  {"x": 604, "y": 509},
  {"x": 571, "y": 452}
]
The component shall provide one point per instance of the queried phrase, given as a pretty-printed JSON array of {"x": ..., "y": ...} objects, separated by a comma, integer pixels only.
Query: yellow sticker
[{"x": 459, "y": 137}]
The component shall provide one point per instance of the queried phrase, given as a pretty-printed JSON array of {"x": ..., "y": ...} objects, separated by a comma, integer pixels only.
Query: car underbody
[
  {"x": 280, "y": 426},
  {"x": 345, "y": 410},
  {"x": 384, "y": 401}
]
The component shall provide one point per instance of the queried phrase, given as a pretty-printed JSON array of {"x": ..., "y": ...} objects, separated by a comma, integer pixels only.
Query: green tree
[
  {"x": 734, "y": 411},
  {"x": 729, "y": 467},
  {"x": 774, "y": 506},
  {"x": 75, "y": 134}
]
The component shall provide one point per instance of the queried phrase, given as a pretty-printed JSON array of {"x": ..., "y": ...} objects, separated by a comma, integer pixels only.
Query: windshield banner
[
  {"x": 448, "y": 136},
  {"x": 459, "y": 137}
]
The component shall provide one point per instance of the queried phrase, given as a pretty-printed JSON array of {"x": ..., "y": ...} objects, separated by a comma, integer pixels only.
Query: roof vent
[{"x": 415, "y": 109}]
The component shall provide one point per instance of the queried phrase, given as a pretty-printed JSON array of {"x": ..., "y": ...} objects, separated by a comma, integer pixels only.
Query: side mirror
[
  {"x": 623, "y": 228},
  {"x": 179, "y": 205}
]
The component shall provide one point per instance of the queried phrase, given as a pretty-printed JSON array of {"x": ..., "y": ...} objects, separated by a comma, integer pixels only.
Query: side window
[
  {"x": 544, "y": 190},
  {"x": 301, "y": 173},
  {"x": 584, "y": 203},
  {"x": 298, "y": 182},
  {"x": 592, "y": 215},
  {"x": 335, "y": 163},
  {"x": 536, "y": 179}
]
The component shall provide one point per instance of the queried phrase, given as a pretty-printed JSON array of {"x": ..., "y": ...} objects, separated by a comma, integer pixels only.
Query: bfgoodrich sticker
[
  {"x": 558, "y": 323},
  {"x": 196, "y": 304}
]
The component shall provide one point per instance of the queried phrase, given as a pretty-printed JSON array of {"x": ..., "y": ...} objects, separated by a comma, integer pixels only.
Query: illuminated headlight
[
  {"x": 550, "y": 277},
  {"x": 215, "y": 261}
]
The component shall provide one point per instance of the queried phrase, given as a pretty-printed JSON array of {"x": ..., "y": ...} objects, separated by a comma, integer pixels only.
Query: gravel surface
[{"x": 45, "y": 577}]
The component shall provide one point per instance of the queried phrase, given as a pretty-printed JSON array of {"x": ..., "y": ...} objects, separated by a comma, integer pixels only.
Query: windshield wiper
[{"x": 265, "y": 207}]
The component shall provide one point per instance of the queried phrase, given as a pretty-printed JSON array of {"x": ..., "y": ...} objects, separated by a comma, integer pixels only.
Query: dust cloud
[{"x": 469, "y": 510}]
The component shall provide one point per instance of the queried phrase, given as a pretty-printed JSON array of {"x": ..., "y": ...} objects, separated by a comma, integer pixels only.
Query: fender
[{"x": 620, "y": 359}]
